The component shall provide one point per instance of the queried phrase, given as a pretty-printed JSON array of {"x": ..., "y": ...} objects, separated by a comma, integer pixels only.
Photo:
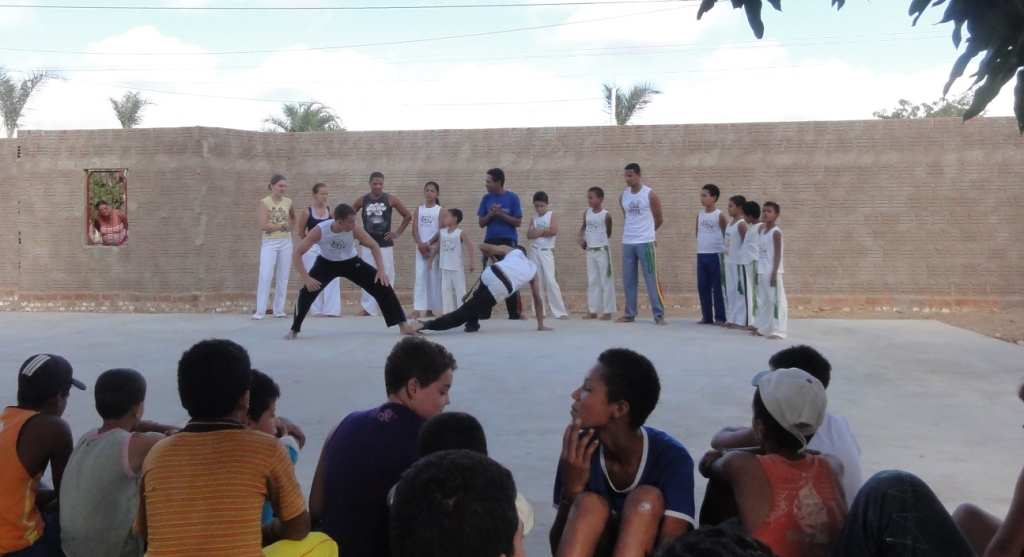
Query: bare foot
[
  {"x": 364, "y": 313},
  {"x": 590, "y": 316},
  {"x": 410, "y": 328},
  {"x": 625, "y": 319},
  {"x": 755, "y": 333},
  {"x": 292, "y": 335},
  {"x": 606, "y": 317}
]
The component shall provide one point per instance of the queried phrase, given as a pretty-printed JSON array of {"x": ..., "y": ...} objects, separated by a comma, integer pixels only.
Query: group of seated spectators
[{"x": 405, "y": 479}]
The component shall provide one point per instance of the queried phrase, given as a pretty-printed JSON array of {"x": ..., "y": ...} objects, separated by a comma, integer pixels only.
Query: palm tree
[
  {"x": 626, "y": 105},
  {"x": 14, "y": 96},
  {"x": 129, "y": 108},
  {"x": 310, "y": 116}
]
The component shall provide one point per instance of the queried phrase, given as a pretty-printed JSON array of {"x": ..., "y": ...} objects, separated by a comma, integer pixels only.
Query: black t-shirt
[{"x": 377, "y": 218}]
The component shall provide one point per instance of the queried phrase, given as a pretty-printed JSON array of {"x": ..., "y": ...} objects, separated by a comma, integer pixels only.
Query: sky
[{"x": 524, "y": 66}]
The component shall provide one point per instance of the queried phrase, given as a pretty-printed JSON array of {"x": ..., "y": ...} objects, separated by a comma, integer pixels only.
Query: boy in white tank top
[
  {"x": 452, "y": 245},
  {"x": 710, "y": 231},
  {"x": 748, "y": 255},
  {"x": 772, "y": 308},
  {"x": 542, "y": 233},
  {"x": 738, "y": 299},
  {"x": 593, "y": 238}
]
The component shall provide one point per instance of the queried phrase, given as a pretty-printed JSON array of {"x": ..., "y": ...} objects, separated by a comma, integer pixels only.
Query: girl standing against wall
[
  {"x": 329, "y": 301},
  {"x": 425, "y": 227},
  {"x": 276, "y": 218}
]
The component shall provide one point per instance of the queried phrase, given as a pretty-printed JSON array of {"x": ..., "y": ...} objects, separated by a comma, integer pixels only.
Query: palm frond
[{"x": 305, "y": 117}]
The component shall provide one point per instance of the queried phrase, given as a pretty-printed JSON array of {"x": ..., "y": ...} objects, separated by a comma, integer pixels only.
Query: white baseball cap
[{"x": 795, "y": 399}]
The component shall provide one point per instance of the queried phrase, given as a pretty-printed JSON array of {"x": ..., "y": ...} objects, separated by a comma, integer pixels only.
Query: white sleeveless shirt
[
  {"x": 335, "y": 246},
  {"x": 750, "y": 252},
  {"x": 429, "y": 221},
  {"x": 766, "y": 255},
  {"x": 733, "y": 244},
  {"x": 450, "y": 253},
  {"x": 639, "y": 225},
  {"x": 543, "y": 223},
  {"x": 596, "y": 231},
  {"x": 709, "y": 232}
]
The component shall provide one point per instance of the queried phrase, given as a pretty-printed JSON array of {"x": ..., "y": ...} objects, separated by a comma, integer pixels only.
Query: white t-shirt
[
  {"x": 638, "y": 227},
  {"x": 734, "y": 244},
  {"x": 709, "y": 232},
  {"x": 518, "y": 269},
  {"x": 596, "y": 231},
  {"x": 428, "y": 221},
  {"x": 766, "y": 251},
  {"x": 543, "y": 223},
  {"x": 835, "y": 439},
  {"x": 450, "y": 253},
  {"x": 335, "y": 246}
]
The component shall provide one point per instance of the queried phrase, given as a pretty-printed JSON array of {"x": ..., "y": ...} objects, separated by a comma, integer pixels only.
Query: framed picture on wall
[{"x": 106, "y": 207}]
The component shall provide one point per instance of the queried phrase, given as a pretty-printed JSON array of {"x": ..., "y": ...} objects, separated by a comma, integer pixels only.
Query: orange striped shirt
[
  {"x": 204, "y": 492},
  {"x": 20, "y": 522}
]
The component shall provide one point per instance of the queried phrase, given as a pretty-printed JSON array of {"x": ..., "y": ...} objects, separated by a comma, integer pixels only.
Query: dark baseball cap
[{"x": 44, "y": 376}]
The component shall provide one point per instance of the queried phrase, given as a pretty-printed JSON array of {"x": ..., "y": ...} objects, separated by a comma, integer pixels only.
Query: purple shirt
[{"x": 363, "y": 458}]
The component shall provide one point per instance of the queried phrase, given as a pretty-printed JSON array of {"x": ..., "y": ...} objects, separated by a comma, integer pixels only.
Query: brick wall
[{"x": 875, "y": 212}]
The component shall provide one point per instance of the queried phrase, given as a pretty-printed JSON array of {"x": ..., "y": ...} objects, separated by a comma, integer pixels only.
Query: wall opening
[{"x": 106, "y": 207}]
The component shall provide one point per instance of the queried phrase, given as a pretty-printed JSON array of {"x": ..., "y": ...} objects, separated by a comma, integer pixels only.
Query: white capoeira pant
[
  {"x": 427, "y": 293},
  {"x": 739, "y": 294},
  {"x": 328, "y": 302},
  {"x": 550, "y": 293},
  {"x": 453, "y": 288},
  {"x": 600, "y": 281},
  {"x": 276, "y": 265},
  {"x": 772, "y": 309},
  {"x": 388, "y": 255}
]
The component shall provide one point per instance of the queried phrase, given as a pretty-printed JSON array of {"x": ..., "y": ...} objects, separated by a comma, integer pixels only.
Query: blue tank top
[{"x": 312, "y": 221}]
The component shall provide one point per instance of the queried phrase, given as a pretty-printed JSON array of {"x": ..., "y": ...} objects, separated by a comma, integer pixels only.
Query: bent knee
[
  {"x": 645, "y": 499},
  {"x": 968, "y": 513}
]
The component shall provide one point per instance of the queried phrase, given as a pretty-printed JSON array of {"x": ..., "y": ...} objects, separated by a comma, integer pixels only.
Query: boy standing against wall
[
  {"x": 738, "y": 290},
  {"x": 542, "y": 233},
  {"x": 773, "y": 310},
  {"x": 593, "y": 237},
  {"x": 710, "y": 231}
]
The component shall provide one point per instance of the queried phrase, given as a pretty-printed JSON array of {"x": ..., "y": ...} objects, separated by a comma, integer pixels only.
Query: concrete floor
[{"x": 920, "y": 395}]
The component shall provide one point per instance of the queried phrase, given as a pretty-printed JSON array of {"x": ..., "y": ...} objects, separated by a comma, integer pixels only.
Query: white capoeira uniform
[
  {"x": 542, "y": 253},
  {"x": 427, "y": 291},
  {"x": 453, "y": 272},
  {"x": 328, "y": 301},
  {"x": 772, "y": 309},
  {"x": 600, "y": 281},
  {"x": 739, "y": 283}
]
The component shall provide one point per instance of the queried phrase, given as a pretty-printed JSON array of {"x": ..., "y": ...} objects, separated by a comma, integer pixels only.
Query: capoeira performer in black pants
[
  {"x": 512, "y": 271},
  {"x": 337, "y": 239}
]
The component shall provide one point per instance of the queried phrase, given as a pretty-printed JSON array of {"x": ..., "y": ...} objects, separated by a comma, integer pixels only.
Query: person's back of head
[
  {"x": 789, "y": 407},
  {"x": 120, "y": 393},
  {"x": 451, "y": 431},
  {"x": 214, "y": 377},
  {"x": 806, "y": 358},
  {"x": 44, "y": 383},
  {"x": 455, "y": 504},
  {"x": 631, "y": 377},
  {"x": 457, "y": 215},
  {"x": 715, "y": 542},
  {"x": 752, "y": 209}
]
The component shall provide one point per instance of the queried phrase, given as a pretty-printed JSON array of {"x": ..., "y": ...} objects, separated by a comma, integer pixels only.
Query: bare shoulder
[{"x": 47, "y": 427}]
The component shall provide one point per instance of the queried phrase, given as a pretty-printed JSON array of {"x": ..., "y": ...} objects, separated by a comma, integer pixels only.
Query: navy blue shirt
[
  {"x": 498, "y": 229},
  {"x": 363, "y": 458},
  {"x": 665, "y": 464}
]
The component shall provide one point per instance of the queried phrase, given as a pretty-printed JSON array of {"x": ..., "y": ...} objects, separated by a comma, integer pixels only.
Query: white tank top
[
  {"x": 543, "y": 223},
  {"x": 766, "y": 253},
  {"x": 733, "y": 243},
  {"x": 429, "y": 221},
  {"x": 596, "y": 231},
  {"x": 450, "y": 253},
  {"x": 639, "y": 225},
  {"x": 335, "y": 246},
  {"x": 751, "y": 244},
  {"x": 709, "y": 232}
]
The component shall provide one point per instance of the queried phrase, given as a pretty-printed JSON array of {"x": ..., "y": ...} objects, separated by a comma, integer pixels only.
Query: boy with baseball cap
[
  {"x": 785, "y": 497},
  {"x": 32, "y": 437}
]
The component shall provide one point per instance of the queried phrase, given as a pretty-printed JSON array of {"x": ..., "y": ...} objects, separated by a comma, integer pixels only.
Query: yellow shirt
[
  {"x": 277, "y": 214},
  {"x": 204, "y": 492}
]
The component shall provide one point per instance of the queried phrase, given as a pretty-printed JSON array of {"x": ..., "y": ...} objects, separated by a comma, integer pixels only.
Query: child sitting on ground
[
  {"x": 262, "y": 414},
  {"x": 785, "y": 497},
  {"x": 622, "y": 488}
]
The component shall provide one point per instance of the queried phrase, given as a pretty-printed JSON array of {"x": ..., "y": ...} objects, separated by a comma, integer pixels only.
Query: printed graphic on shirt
[
  {"x": 338, "y": 244},
  {"x": 450, "y": 243},
  {"x": 426, "y": 219},
  {"x": 374, "y": 211},
  {"x": 708, "y": 226},
  {"x": 278, "y": 215},
  {"x": 634, "y": 209}
]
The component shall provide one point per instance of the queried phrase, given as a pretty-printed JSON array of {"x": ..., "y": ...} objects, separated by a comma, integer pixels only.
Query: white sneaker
[{"x": 256, "y": 317}]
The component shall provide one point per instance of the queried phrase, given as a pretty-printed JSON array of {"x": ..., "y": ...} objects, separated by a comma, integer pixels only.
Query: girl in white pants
[
  {"x": 452, "y": 246},
  {"x": 328, "y": 301},
  {"x": 426, "y": 298},
  {"x": 542, "y": 233},
  {"x": 275, "y": 218}
]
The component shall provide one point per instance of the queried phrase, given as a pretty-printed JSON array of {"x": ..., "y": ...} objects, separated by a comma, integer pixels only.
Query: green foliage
[
  {"x": 106, "y": 186},
  {"x": 627, "y": 104},
  {"x": 942, "y": 108},
  {"x": 129, "y": 108},
  {"x": 996, "y": 29},
  {"x": 305, "y": 117},
  {"x": 15, "y": 95}
]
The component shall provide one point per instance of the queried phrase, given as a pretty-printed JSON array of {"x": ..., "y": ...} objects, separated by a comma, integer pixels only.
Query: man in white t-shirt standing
[
  {"x": 510, "y": 271},
  {"x": 834, "y": 437},
  {"x": 641, "y": 210}
]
